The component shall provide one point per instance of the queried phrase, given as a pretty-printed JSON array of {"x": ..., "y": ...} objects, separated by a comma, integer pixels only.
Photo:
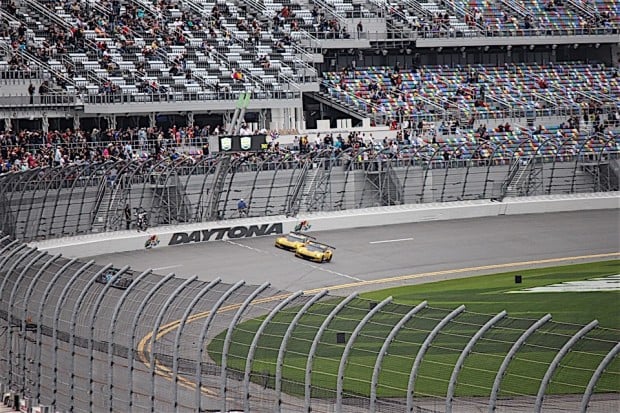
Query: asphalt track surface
[{"x": 379, "y": 257}]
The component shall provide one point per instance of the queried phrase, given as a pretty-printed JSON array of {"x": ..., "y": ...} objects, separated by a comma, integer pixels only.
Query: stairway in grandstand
[
  {"x": 170, "y": 202},
  {"x": 309, "y": 186},
  {"x": 110, "y": 201}
]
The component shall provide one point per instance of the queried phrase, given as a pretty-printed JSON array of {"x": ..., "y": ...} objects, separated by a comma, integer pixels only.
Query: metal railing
[
  {"x": 61, "y": 201},
  {"x": 82, "y": 336}
]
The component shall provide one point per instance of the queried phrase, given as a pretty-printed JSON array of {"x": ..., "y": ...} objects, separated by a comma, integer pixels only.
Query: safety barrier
[
  {"x": 87, "y": 337},
  {"x": 120, "y": 241},
  {"x": 47, "y": 203}
]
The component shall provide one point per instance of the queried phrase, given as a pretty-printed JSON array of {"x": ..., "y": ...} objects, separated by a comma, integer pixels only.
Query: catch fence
[
  {"x": 84, "y": 198},
  {"x": 80, "y": 336}
]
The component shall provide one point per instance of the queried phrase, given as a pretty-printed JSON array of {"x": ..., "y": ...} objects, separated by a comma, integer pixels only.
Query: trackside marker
[{"x": 390, "y": 240}]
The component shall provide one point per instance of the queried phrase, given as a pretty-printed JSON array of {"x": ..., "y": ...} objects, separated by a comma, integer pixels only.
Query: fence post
[
  {"x": 156, "y": 327},
  {"x": 349, "y": 346},
  {"x": 284, "y": 344},
  {"x": 59, "y": 304},
  {"x": 134, "y": 325},
  {"x": 226, "y": 347},
  {"x": 422, "y": 352},
  {"x": 509, "y": 356},
  {"x": 252, "y": 349},
  {"x": 585, "y": 401},
  {"x": 556, "y": 362},
  {"x": 24, "y": 317},
  {"x": 383, "y": 352},
  {"x": 74, "y": 314},
  {"x": 466, "y": 351},
  {"x": 315, "y": 343},
  {"x": 7, "y": 275},
  {"x": 112, "y": 331},
  {"x": 9, "y": 313},
  {"x": 214, "y": 310},
  {"x": 177, "y": 338},
  {"x": 91, "y": 331},
  {"x": 44, "y": 297}
]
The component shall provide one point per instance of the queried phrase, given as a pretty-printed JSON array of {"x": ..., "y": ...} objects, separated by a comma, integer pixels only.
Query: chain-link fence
[
  {"x": 63, "y": 201},
  {"x": 80, "y": 336}
]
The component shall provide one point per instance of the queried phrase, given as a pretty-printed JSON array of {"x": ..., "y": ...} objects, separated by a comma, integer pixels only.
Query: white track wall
[{"x": 106, "y": 243}]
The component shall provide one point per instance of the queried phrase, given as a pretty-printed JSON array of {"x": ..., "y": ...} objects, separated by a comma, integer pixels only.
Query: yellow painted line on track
[{"x": 144, "y": 345}]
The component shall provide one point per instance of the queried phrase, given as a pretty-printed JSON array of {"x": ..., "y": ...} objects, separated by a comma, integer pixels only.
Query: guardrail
[
  {"x": 56, "y": 202},
  {"x": 84, "y": 336}
]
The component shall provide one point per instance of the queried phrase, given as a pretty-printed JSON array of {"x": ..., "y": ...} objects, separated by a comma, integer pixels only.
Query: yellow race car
[
  {"x": 293, "y": 240},
  {"x": 315, "y": 251}
]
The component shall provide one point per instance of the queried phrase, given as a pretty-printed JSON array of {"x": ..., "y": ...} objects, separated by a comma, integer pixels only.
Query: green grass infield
[{"x": 483, "y": 296}]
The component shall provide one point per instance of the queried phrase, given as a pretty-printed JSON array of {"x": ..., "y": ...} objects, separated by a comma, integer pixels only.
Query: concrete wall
[{"x": 97, "y": 244}]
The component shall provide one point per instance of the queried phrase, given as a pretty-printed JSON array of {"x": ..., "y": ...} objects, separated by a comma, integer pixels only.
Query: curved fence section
[
  {"x": 63, "y": 201},
  {"x": 84, "y": 337}
]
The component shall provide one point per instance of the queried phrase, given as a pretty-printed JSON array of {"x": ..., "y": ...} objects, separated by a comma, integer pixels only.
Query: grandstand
[
  {"x": 121, "y": 63},
  {"x": 110, "y": 104}
]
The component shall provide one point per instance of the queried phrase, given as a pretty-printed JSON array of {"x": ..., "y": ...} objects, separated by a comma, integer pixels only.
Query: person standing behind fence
[
  {"x": 128, "y": 216},
  {"x": 31, "y": 90},
  {"x": 242, "y": 208}
]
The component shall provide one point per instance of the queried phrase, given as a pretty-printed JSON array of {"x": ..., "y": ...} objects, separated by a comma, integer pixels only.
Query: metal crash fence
[
  {"x": 76, "y": 199},
  {"x": 76, "y": 338}
]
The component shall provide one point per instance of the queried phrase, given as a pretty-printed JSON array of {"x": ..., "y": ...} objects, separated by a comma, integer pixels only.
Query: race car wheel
[{"x": 329, "y": 259}]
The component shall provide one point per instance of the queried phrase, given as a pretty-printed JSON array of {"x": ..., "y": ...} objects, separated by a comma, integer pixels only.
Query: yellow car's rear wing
[
  {"x": 301, "y": 234},
  {"x": 321, "y": 244}
]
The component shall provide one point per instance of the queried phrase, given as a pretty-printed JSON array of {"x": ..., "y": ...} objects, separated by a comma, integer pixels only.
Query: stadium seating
[
  {"x": 186, "y": 54},
  {"x": 483, "y": 91}
]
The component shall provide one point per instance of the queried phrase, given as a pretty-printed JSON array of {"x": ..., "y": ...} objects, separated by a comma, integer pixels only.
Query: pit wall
[{"x": 177, "y": 236}]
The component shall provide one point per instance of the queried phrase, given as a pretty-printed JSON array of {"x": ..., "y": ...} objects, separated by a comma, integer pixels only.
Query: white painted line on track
[
  {"x": 244, "y": 246},
  {"x": 321, "y": 268},
  {"x": 390, "y": 240},
  {"x": 168, "y": 267},
  {"x": 313, "y": 266}
]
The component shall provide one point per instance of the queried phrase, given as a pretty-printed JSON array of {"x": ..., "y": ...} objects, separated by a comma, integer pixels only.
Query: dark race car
[{"x": 107, "y": 277}]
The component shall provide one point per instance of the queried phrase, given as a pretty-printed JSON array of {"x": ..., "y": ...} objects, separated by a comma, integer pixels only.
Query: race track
[{"x": 418, "y": 250}]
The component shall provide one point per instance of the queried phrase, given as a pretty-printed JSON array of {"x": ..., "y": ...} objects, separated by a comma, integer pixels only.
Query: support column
[
  {"x": 190, "y": 119},
  {"x": 111, "y": 118},
  {"x": 45, "y": 122},
  {"x": 383, "y": 352},
  {"x": 585, "y": 401},
  {"x": 262, "y": 119},
  {"x": 7, "y": 124},
  {"x": 74, "y": 315},
  {"x": 252, "y": 350},
  {"x": 76, "y": 121},
  {"x": 283, "y": 344},
  {"x": 422, "y": 352},
  {"x": 112, "y": 331},
  {"x": 556, "y": 362},
  {"x": 46, "y": 293},
  {"x": 466, "y": 351},
  {"x": 200, "y": 343},
  {"x": 30, "y": 261},
  {"x": 91, "y": 338},
  {"x": 133, "y": 326},
  {"x": 315, "y": 344},
  {"x": 226, "y": 120},
  {"x": 509, "y": 356},
  {"x": 349, "y": 346},
  {"x": 156, "y": 326},
  {"x": 177, "y": 338},
  {"x": 228, "y": 339},
  {"x": 56, "y": 319},
  {"x": 26, "y": 300},
  {"x": 152, "y": 120}
]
